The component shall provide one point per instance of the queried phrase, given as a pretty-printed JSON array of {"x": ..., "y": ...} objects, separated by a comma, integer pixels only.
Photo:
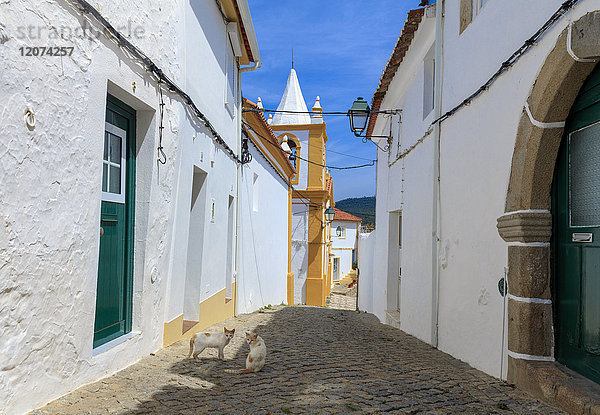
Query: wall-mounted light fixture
[
  {"x": 329, "y": 214},
  {"x": 359, "y": 115}
]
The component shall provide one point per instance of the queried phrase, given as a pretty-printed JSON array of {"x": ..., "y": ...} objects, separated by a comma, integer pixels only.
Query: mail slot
[{"x": 582, "y": 237}]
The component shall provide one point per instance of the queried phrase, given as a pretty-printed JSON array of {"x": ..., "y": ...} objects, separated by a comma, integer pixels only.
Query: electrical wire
[
  {"x": 342, "y": 154},
  {"x": 113, "y": 34},
  {"x": 278, "y": 146},
  {"x": 507, "y": 64},
  {"x": 162, "y": 157},
  {"x": 345, "y": 113}
]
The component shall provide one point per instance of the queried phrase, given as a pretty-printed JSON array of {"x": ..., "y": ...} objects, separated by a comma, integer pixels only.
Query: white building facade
[
  {"x": 345, "y": 229},
  {"x": 466, "y": 195},
  {"x": 120, "y": 216},
  {"x": 265, "y": 198}
]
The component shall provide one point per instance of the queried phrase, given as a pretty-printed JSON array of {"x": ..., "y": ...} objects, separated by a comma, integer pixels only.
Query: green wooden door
[
  {"x": 576, "y": 236},
  {"x": 113, "y": 295}
]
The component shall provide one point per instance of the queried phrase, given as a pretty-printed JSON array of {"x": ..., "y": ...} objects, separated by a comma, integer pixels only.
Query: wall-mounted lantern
[
  {"x": 329, "y": 214},
  {"x": 359, "y": 116}
]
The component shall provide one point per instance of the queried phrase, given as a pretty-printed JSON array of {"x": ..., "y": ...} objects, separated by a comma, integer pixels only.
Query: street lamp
[
  {"x": 329, "y": 214},
  {"x": 359, "y": 116}
]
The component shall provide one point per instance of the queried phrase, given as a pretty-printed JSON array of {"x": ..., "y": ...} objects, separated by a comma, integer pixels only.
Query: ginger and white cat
[
  {"x": 256, "y": 358},
  {"x": 201, "y": 341}
]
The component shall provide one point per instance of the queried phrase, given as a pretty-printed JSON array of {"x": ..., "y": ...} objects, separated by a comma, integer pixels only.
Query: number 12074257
[{"x": 46, "y": 50}]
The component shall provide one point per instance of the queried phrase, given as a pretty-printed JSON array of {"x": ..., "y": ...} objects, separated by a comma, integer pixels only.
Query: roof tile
[
  {"x": 404, "y": 40},
  {"x": 341, "y": 215}
]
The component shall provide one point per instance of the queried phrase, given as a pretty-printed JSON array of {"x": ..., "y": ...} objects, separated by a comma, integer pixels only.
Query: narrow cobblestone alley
[
  {"x": 319, "y": 360},
  {"x": 342, "y": 297}
]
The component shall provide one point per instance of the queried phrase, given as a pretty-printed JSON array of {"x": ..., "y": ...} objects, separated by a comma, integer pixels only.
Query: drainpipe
[
  {"x": 249, "y": 27},
  {"x": 435, "y": 268}
]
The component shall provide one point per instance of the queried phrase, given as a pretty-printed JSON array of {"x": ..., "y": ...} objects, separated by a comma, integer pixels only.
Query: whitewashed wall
[
  {"x": 205, "y": 61},
  {"x": 476, "y": 150},
  {"x": 264, "y": 245},
  {"x": 366, "y": 280},
  {"x": 50, "y": 193},
  {"x": 300, "y": 251}
]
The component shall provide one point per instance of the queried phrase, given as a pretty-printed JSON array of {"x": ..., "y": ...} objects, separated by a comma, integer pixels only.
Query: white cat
[
  {"x": 256, "y": 358},
  {"x": 201, "y": 341}
]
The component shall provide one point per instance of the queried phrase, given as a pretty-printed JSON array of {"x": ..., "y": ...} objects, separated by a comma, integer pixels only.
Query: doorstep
[{"x": 557, "y": 385}]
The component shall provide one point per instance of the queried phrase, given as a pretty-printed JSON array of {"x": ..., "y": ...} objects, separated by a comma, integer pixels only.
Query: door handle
[{"x": 582, "y": 237}]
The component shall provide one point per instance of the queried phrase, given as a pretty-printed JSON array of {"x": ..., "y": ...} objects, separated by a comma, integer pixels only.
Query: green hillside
[{"x": 363, "y": 207}]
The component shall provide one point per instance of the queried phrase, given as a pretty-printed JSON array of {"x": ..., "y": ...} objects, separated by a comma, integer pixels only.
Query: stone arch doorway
[{"x": 527, "y": 223}]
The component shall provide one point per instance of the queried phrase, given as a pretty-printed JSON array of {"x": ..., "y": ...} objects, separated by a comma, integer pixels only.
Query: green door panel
[
  {"x": 576, "y": 236},
  {"x": 115, "y": 261},
  {"x": 570, "y": 294},
  {"x": 590, "y": 262}
]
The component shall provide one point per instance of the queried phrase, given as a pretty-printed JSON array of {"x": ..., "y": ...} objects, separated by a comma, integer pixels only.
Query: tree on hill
[{"x": 362, "y": 207}]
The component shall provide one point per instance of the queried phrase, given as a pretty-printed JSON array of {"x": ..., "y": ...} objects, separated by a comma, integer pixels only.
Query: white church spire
[{"x": 292, "y": 100}]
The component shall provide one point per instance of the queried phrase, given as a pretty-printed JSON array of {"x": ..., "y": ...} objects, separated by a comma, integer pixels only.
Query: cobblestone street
[
  {"x": 342, "y": 297},
  {"x": 319, "y": 360}
]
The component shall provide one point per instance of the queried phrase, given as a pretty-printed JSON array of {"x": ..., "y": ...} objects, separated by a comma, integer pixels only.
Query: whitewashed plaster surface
[
  {"x": 366, "y": 256},
  {"x": 264, "y": 244},
  {"x": 300, "y": 251},
  {"x": 476, "y": 152},
  {"x": 50, "y": 193}
]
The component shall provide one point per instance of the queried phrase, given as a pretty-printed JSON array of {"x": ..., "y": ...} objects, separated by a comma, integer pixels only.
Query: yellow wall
[
  {"x": 315, "y": 278},
  {"x": 290, "y": 274},
  {"x": 316, "y": 152},
  {"x": 212, "y": 311}
]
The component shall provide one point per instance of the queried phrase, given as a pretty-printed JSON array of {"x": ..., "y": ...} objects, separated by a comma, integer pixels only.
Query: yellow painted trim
[
  {"x": 314, "y": 291},
  {"x": 172, "y": 331},
  {"x": 300, "y": 127},
  {"x": 316, "y": 154},
  {"x": 212, "y": 311},
  {"x": 316, "y": 273},
  {"x": 290, "y": 274},
  {"x": 268, "y": 156},
  {"x": 277, "y": 158},
  {"x": 264, "y": 138},
  {"x": 342, "y": 249}
]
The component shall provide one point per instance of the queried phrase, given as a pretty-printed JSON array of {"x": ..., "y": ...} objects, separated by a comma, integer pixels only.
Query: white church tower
[{"x": 304, "y": 134}]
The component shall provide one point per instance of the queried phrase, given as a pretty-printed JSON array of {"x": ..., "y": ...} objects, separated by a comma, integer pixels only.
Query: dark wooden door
[
  {"x": 576, "y": 237},
  {"x": 113, "y": 295}
]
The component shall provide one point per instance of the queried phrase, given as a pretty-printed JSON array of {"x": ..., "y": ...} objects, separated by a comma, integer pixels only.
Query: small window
[
  {"x": 212, "y": 210},
  {"x": 477, "y": 5},
  {"x": 468, "y": 10},
  {"x": 114, "y": 164},
  {"x": 429, "y": 82},
  {"x": 341, "y": 232},
  {"x": 293, "y": 153}
]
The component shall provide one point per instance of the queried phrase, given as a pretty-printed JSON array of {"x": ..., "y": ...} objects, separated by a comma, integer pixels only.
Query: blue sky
[{"x": 340, "y": 50}]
